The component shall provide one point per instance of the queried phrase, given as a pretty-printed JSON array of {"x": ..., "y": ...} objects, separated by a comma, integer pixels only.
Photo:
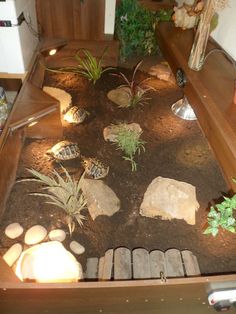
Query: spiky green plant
[
  {"x": 130, "y": 143},
  {"x": 63, "y": 192},
  {"x": 88, "y": 66},
  {"x": 221, "y": 216},
  {"x": 136, "y": 90}
]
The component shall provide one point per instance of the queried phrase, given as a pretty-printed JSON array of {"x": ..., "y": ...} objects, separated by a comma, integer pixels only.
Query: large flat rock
[{"x": 169, "y": 199}]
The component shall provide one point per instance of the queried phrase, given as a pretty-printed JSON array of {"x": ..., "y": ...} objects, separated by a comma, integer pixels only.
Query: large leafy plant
[
  {"x": 88, "y": 66},
  {"x": 130, "y": 143},
  {"x": 136, "y": 91},
  {"x": 135, "y": 28},
  {"x": 222, "y": 216},
  {"x": 64, "y": 193}
]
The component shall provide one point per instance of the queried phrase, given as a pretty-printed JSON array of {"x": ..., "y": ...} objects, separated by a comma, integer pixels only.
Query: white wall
[
  {"x": 17, "y": 43},
  {"x": 225, "y": 32}
]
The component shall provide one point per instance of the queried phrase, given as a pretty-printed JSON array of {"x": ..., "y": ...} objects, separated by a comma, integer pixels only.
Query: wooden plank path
[{"x": 124, "y": 264}]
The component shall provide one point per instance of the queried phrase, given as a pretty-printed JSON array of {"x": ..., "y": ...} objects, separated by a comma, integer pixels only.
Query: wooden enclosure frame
[{"x": 175, "y": 296}]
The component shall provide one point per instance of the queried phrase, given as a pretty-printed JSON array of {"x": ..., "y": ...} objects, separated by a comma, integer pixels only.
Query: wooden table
[{"x": 210, "y": 92}]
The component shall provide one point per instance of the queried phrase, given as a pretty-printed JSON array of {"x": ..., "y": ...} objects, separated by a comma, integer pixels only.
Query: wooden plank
[
  {"x": 174, "y": 265},
  {"x": 108, "y": 265},
  {"x": 157, "y": 264},
  {"x": 122, "y": 264},
  {"x": 141, "y": 265},
  {"x": 190, "y": 264},
  {"x": 100, "y": 267},
  {"x": 92, "y": 268}
]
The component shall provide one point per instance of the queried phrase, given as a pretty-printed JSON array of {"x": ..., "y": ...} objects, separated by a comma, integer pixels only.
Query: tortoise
[
  {"x": 76, "y": 115},
  {"x": 94, "y": 168},
  {"x": 64, "y": 150}
]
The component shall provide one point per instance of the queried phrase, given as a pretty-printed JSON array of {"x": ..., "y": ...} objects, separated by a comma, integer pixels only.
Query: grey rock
[{"x": 101, "y": 200}]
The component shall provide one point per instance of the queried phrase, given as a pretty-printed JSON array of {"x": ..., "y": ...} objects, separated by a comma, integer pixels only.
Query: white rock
[
  {"x": 57, "y": 235},
  {"x": 101, "y": 200},
  {"x": 14, "y": 230},
  {"x": 49, "y": 262},
  {"x": 64, "y": 98},
  {"x": 12, "y": 254},
  {"x": 169, "y": 198},
  {"x": 35, "y": 234},
  {"x": 77, "y": 248}
]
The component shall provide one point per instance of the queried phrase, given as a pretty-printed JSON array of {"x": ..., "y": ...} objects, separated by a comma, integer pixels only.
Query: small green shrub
[
  {"x": 136, "y": 91},
  {"x": 130, "y": 143},
  {"x": 88, "y": 67},
  {"x": 135, "y": 28},
  {"x": 222, "y": 216},
  {"x": 64, "y": 193}
]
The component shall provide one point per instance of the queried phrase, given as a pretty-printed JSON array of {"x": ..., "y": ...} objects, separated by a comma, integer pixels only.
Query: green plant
[
  {"x": 135, "y": 28},
  {"x": 222, "y": 216},
  {"x": 130, "y": 143},
  {"x": 64, "y": 193},
  {"x": 88, "y": 67},
  {"x": 136, "y": 91}
]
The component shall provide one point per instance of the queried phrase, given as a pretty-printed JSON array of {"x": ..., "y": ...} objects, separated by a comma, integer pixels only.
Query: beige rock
[
  {"x": 110, "y": 132},
  {"x": 169, "y": 199},
  {"x": 101, "y": 200},
  {"x": 12, "y": 254},
  {"x": 64, "y": 98},
  {"x": 120, "y": 96},
  {"x": 14, "y": 230},
  {"x": 162, "y": 72},
  {"x": 35, "y": 235},
  {"x": 49, "y": 262}
]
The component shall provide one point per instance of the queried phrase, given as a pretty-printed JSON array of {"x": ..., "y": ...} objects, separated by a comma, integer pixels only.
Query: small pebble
[
  {"x": 14, "y": 230},
  {"x": 77, "y": 248},
  {"x": 35, "y": 235},
  {"x": 12, "y": 254},
  {"x": 57, "y": 235}
]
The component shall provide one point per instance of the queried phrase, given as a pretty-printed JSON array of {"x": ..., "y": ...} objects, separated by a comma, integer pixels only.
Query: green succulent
[{"x": 222, "y": 216}]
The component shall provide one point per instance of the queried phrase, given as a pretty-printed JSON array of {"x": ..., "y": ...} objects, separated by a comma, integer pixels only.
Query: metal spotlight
[{"x": 183, "y": 110}]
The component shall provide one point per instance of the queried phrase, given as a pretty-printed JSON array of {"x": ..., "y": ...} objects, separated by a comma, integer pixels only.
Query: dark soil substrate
[{"x": 174, "y": 148}]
